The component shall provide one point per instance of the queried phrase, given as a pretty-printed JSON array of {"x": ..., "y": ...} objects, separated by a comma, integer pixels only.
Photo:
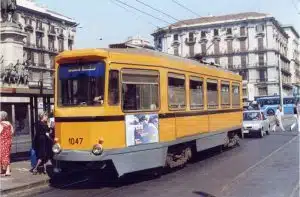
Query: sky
[{"x": 102, "y": 22}]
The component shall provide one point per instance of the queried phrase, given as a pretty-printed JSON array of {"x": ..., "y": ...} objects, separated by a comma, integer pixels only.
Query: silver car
[{"x": 255, "y": 122}]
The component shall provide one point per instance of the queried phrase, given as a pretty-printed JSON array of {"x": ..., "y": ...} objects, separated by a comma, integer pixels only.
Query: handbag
[{"x": 33, "y": 158}]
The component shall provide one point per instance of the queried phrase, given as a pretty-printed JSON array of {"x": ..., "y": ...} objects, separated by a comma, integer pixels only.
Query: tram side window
[
  {"x": 236, "y": 95},
  {"x": 196, "y": 93},
  {"x": 225, "y": 95},
  {"x": 212, "y": 94},
  {"x": 140, "y": 90},
  {"x": 113, "y": 89},
  {"x": 176, "y": 91}
]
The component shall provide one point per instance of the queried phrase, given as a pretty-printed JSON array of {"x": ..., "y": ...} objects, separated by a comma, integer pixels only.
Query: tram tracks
[{"x": 209, "y": 165}]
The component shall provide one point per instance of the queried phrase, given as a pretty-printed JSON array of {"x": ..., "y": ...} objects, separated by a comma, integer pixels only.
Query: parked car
[{"x": 255, "y": 122}]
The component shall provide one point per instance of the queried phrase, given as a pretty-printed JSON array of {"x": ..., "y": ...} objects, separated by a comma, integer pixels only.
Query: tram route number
[{"x": 74, "y": 141}]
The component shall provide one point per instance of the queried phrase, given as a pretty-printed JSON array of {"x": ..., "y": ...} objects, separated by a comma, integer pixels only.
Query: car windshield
[
  {"x": 81, "y": 84},
  {"x": 252, "y": 116}
]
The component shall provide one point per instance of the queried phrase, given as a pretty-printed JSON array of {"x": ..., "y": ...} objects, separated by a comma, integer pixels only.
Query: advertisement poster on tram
[{"x": 141, "y": 129}]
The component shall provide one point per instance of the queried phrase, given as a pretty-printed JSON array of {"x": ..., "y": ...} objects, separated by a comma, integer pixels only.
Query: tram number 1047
[{"x": 74, "y": 141}]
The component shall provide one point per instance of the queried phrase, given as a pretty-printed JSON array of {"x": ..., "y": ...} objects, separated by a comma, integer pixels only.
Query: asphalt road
[{"x": 267, "y": 167}]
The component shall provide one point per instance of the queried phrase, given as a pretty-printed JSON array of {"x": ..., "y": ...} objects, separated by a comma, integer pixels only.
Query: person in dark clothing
[{"x": 41, "y": 142}]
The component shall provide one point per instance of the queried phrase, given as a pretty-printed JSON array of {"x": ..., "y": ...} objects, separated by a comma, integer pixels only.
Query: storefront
[{"x": 22, "y": 106}]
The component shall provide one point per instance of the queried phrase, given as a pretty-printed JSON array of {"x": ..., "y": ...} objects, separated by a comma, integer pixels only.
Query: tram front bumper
[{"x": 124, "y": 160}]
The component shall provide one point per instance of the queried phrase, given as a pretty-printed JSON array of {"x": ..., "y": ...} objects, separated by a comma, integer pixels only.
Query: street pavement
[{"x": 267, "y": 167}]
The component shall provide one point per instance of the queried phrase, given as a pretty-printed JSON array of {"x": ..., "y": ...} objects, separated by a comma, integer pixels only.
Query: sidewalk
[{"x": 21, "y": 179}]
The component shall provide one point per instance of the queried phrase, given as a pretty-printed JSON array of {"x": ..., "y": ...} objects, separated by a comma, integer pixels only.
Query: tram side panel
[{"x": 191, "y": 125}]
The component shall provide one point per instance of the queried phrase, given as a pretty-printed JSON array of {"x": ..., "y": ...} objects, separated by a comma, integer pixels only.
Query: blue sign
[{"x": 91, "y": 69}]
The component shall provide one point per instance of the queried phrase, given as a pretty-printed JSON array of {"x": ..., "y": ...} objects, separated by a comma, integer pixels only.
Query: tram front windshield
[{"x": 81, "y": 84}]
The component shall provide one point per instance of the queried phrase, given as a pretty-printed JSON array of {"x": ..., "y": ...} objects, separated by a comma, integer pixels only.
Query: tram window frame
[
  {"x": 233, "y": 85},
  {"x": 141, "y": 72},
  {"x": 177, "y": 76},
  {"x": 66, "y": 86},
  {"x": 223, "y": 104},
  {"x": 201, "y": 80},
  {"x": 115, "y": 90},
  {"x": 212, "y": 81}
]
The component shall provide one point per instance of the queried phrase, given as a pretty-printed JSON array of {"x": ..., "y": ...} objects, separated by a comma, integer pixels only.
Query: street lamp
[{"x": 280, "y": 77}]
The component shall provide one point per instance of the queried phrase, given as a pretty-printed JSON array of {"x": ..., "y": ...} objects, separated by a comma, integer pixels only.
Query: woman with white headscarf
[{"x": 6, "y": 132}]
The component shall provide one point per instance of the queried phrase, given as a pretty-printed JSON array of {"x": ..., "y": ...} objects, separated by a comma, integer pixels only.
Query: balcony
[
  {"x": 40, "y": 29},
  {"x": 242, "y": 35},
  {"x": 52, "y": 49},
  {"x": 260, "y": 32},
  {"x": 39, "y": 66},
  {"x": 71, "y": 37},
  {"x": 30, "y": 45},
  {"x": 175, "y": 42},
  {"x": 61, "y": 34},
  {"x": 159, "y": 47},
  {"x": 40, "y": 48},
  {"x": 51, "y": 32},
  {"x": 203, "y": 38},
  {"x": 260, "y": 49},
  {"x": 28, "y": 27},
  {"x": 287, "y": 84},
  {"x": 286, "y": 70},
  {"x": 190, "y": 41},
  {"x": 261, "y": 80},
  {"x": 217, "y": 37},
  {"x": 237, "y": 67},
  {"x": 261, "y": 65}
]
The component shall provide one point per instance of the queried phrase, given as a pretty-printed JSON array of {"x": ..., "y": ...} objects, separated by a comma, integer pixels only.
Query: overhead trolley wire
[
  {"x": 142, "y": 11},
  {"x": 296, "y": 6},
  {"x": 186, "y": 8},
  {"x": 128, "y": 10},
  {"x": 160, "y": 11}
]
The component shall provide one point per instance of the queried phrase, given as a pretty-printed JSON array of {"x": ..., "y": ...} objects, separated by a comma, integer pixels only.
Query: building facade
[
  {"x": 294, "y": 56},
  {"x": 251, "y": 44},
  {"x": 134, "y": 42},
  {"x": 31, "y": 37}
]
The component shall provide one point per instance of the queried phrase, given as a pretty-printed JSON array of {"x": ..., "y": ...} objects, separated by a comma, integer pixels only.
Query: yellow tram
[{"x": 140, "y": 109}]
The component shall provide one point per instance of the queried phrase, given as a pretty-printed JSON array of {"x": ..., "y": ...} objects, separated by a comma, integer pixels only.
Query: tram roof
[{"x": 151, "y": 55}]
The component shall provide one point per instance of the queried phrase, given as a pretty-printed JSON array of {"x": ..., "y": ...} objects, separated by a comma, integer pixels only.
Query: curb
[{"x": 16, "y": 190}]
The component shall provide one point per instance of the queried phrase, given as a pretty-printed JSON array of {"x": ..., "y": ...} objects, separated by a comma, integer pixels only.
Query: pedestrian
[
  {"x": 298, "y": 114},
  {"x": 6, "y": 133},
  {"x": 41, "y": 143},
  {"x": 278, "y": 119}
]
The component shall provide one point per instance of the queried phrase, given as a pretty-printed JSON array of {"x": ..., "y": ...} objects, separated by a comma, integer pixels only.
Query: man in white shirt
[
  {"x": 278, "y": 119},
  {"x": 297, "y": 116}
]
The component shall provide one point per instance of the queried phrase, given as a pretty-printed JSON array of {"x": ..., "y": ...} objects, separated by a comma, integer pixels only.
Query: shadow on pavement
[
  {"x": 203, "y": 194},
  {"x": 90, "y": 179}
]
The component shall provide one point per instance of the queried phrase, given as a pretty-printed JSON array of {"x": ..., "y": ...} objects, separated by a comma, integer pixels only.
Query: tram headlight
[
  {"x": 97, "y": 149},
  {"x": 56, "y": 148}
]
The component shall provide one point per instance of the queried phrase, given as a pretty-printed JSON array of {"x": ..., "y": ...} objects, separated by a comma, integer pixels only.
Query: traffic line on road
[
  {"x": 227, "y": 186},
  {"x": 74, "y": 183},
  {"x": 296, "y": 188}
]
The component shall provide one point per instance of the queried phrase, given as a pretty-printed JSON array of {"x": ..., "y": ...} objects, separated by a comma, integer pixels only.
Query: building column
[
  {"x": 13, "y": 115},
  {"x": 48, "y": 104},
  {"x": 31, "y": 119},
  {"x": 36, "y": 116},
  {"x": 44, "y": 103}
]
